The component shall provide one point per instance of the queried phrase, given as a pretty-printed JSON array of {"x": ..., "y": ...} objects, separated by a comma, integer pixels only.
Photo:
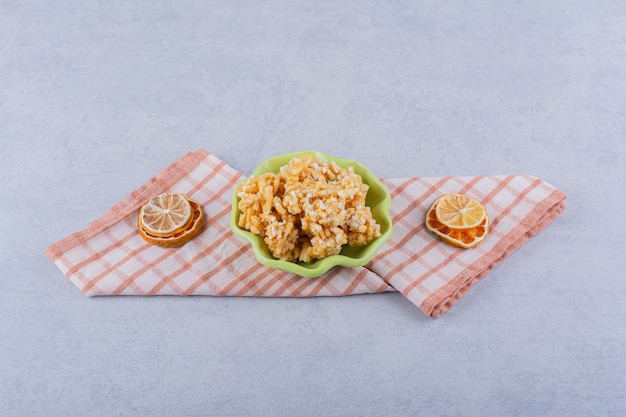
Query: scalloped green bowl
[{"x": 378, "y": 200}]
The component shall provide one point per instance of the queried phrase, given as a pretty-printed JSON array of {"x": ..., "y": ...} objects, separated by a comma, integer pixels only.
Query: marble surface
[{"x": 96, "y": 97}]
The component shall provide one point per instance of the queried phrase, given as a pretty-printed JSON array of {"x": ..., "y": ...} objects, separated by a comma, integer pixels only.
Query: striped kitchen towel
[{"x": 110, "y": 258}]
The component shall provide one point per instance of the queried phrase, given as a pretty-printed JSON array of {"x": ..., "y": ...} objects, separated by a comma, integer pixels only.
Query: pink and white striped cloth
[{"x": 110, "y": 258}]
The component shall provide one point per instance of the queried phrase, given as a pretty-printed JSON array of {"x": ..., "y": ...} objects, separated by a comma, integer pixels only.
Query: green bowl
[{"x": 378, "y": 200}]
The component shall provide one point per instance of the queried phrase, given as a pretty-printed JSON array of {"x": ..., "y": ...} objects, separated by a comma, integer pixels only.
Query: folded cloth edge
[
  {"x": 537, "y": 220},
  {"x": 155, "y": 185}
]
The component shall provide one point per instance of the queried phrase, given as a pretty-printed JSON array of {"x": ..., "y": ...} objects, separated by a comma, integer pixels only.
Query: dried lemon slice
[
  {"x": 165, "y": 214},
  {"x": 180, "y": 236},
  {"x": 464, "y": 237},
  {"x": 459, "y": 211}
]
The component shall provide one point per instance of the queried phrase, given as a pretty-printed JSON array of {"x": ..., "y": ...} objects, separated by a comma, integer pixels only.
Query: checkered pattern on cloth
[{"x": 110, "y": 258}]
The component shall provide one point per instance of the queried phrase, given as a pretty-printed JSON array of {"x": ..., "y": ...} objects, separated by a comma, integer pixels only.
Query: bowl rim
[{"x": 321, "y": 266}]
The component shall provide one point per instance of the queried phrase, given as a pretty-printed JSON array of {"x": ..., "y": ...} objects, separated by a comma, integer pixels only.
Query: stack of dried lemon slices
[
  {"x": 458, "y": 220},
  {"x": 170, "y": 220}
]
